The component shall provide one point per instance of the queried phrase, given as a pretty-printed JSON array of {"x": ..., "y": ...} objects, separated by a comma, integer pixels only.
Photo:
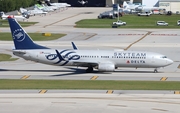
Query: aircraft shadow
[
  {"x": 35, "y": 70},
  {"x": 129, "y": 71},
  {"x": 71, "y": 71},
  {"x": 76, "y": 71}
]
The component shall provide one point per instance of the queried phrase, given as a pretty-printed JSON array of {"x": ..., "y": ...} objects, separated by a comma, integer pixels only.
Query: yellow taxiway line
[
  {"x": 176, "y": 92},
  {"x": 94, "y": 77},
  {"x": 25, "y": 77},
  {"x": 43, "y": 91},
  {"x": 163, "y": 78},
  {"x": 109, "y": 91}
]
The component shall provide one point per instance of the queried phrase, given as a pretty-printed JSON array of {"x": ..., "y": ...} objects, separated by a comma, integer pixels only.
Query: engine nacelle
[{"x": 106, "y": 67}]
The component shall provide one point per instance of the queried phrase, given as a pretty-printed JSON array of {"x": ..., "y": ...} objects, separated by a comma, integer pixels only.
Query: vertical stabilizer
[
  {"x": 125, "y": 5},
  {"x": 21, "y": 39}
]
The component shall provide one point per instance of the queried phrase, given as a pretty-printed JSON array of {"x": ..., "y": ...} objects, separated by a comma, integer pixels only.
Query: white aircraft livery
[
  {"x": 103, "y": 60},
  {"x": 18, "y": 17}
]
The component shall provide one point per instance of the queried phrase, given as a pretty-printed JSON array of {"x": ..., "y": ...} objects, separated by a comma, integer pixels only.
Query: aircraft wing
[{"x": 74, "y": 46}]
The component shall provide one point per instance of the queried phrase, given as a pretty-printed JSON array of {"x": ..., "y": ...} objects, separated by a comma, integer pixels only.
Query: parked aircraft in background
[
  {"x": 83, "y": 2},
  {"x": 103, "y": 60},
  {"x": 48, "y": 4},
  {"x": 129, "y": 6},
  {"x": 17, "y": 17},
  {"x": 33, "y": 12},
  {"x": 43, "y": 8},
  {"x": 61, "y": 4},
  {"x": 57, "y": 4},
  {"x": 146, "y": 9}
]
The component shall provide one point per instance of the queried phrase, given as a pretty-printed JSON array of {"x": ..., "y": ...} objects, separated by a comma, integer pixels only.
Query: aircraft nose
[{"x": 169, "y": 61}]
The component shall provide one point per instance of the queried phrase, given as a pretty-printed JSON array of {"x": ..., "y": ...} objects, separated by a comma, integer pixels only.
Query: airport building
[
  {"x": 95, "y": 3},
  {"x": 170, "y": 5}
]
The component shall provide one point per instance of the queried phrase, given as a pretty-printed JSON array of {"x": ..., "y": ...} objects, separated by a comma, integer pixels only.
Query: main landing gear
[
  {"x": 89, "y": 69},
  {"x": 155, "y": 70}
]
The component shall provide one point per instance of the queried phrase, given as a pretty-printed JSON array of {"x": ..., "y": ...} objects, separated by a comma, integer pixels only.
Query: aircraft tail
[
  {"x": 125, "y": 5},
  {"x": 2, "y": 14},
  {"x": 22, "y": 10},
  {"x": 48, "y": 3},
  {"x": 21, "y": 39}
]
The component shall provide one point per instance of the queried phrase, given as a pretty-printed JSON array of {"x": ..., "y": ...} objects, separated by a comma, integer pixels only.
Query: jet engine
[{"x": 106, "y": 67}]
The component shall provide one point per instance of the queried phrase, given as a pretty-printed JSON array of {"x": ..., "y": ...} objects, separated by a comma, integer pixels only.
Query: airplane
[
  {"x": 33, "y": 12},
  {"x": 83, "y": 2},
  {"x": 57, "y": 4},
  {"x": 102, "y": 60},
  {"x": 54, "y": 7},
  {"x": 129, "y": 6},
  {"x": 18, "y": 17},
  {"x": 146, "y": 9},
  {"x": 61, "y": 4},
  {"x": 43, "y": 8}
]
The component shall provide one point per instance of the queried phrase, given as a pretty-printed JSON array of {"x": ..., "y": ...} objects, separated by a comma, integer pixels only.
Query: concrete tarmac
[{"x": 89, "y": 103}]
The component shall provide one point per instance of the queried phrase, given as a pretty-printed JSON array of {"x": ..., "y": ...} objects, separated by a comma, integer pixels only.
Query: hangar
[
  {"x": 170, "y": 5},
  {"x": 96, "y": 3}
]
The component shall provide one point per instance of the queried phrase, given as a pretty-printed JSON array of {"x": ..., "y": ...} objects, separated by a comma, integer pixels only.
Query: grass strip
[
  {"x": 5, "y": 23},
  {"x": 89, "y": 84},
  {"x": 34, "y": 36},
  {"x": 6, "y": 57},
  {"x": 133, "y": 21}
]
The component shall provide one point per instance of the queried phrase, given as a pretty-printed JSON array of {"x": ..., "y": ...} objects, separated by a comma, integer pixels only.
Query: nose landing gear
[{"x": 155, "y": 70}]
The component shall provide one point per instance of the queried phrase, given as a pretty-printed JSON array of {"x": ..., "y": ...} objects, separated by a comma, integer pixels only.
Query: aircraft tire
[
  {"x": 89, "y": 69},
  {"x": 155, "y": 71}
]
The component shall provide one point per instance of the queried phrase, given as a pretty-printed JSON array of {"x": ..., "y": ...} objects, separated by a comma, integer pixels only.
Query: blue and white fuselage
[{"x": 96, "y": 58}]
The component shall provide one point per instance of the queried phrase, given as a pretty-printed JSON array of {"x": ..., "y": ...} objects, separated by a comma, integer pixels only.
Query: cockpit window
[{"x": 164, "y": 57}]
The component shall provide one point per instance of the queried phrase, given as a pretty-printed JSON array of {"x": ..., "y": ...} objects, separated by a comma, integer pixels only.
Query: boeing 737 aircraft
[{"x": 103, "y": 60}]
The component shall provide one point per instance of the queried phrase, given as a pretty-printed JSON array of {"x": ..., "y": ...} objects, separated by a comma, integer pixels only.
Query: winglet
[{"x": 74, "y": 46}]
